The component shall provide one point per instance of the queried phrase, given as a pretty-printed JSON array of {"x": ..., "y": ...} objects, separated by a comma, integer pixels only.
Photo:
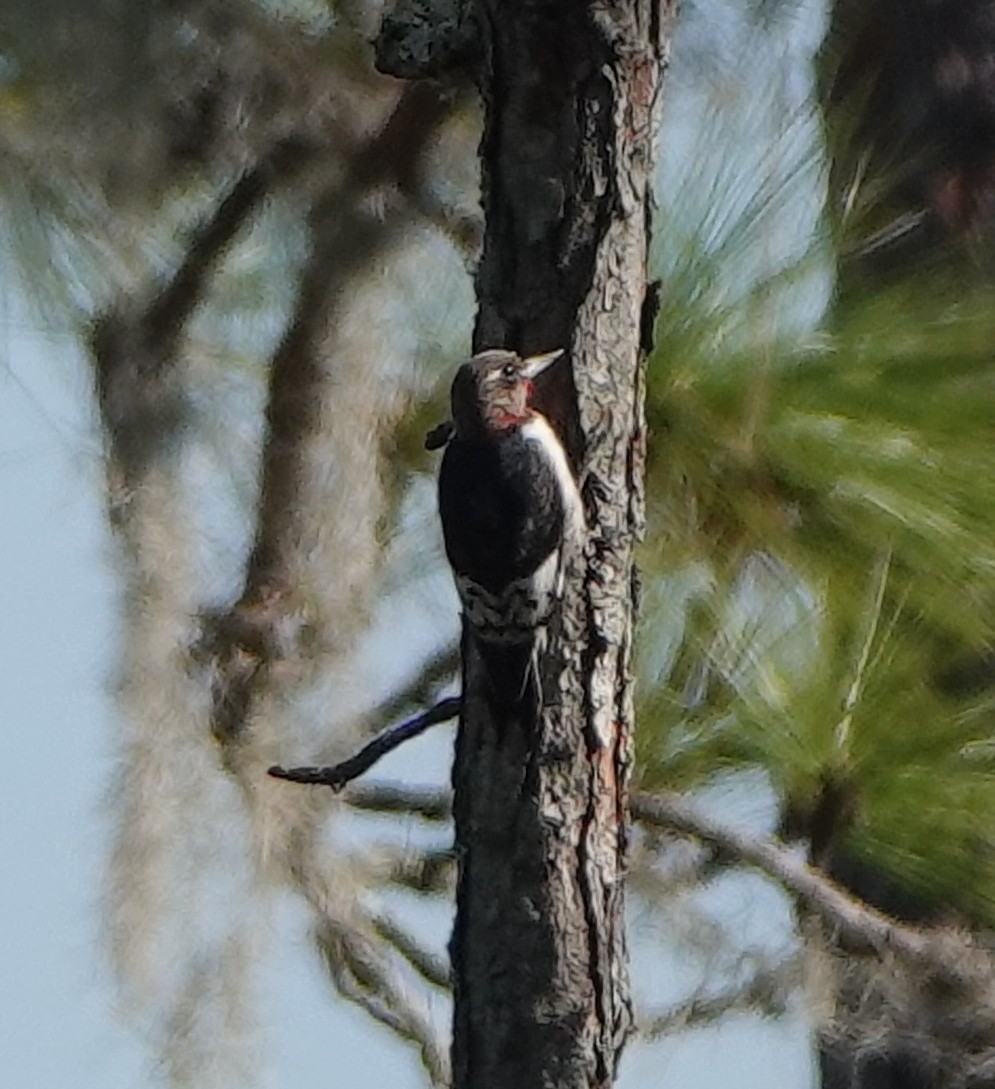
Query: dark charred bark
[{"x": 570, "y": 95}]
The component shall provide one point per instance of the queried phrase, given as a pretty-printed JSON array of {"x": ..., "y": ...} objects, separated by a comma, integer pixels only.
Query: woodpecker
[{"x": 510, "y": 508}]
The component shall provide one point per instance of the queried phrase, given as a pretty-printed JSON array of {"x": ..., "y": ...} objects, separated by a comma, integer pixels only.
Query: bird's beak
[{"x": 536, "y": 364}]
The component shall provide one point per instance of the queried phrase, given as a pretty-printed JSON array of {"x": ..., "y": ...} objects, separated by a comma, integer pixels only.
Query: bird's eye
[{"x": 509, "y": 370}]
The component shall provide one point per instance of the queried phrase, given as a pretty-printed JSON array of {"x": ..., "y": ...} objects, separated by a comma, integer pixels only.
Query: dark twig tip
[{"x": 309, "y": 775}]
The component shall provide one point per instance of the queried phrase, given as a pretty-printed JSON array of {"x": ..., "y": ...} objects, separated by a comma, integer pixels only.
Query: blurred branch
[
  {"x": 427, "y": 873},
  {"x": 430, "y": 805},
  {"x": 348, "y": 937},
  {"x": 393, "y": 154},
  {"x": 138, "y": 347},
  {"x": 465, "y": 232},
  {"x": 860, "y": 924},
  {"x": 421, "y": 688},
  {"x": 171, "y": 308},
  {"x": 662, "y": 864},
  {"x": 165, "y": 793},
  {"x": 766, "y": 992},
  {"x": 667, "y": 811},
  {"x": 430, "y": 967},
  {"x": 393, "y": 737},
  {"x": 347, "y": 238},
  {"x": 135, "y": 343},
  {"x": 362, "y": 976}
]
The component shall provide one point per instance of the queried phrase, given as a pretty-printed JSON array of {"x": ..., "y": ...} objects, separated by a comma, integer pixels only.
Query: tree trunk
[{"x": 570, "y": 95}]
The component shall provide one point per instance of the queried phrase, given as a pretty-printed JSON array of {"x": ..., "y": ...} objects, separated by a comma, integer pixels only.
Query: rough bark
[{"x": 570, "y": 95}]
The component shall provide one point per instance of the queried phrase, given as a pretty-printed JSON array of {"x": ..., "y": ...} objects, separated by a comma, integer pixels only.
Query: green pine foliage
[{"x": 821, "y": 540}]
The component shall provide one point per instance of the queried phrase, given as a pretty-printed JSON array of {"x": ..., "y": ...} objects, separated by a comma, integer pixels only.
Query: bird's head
[{"x": 492, "y": 391}]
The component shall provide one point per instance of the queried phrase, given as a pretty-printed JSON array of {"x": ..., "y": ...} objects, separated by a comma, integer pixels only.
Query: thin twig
[
  {"x": 861, "y": 924},
  {"x": 337, "y": 775}
]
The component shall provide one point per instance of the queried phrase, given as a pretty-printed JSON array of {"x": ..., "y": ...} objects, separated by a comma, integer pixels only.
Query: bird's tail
[{"x": 512, "y": 672}]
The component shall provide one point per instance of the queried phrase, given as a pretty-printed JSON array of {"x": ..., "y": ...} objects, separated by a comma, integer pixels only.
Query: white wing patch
[{"x": 538, "y": 430}]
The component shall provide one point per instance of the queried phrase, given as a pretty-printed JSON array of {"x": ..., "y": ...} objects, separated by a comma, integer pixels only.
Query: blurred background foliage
[
  {"x": 819, "y": 563},
  {"x": 821, "y": 519}
]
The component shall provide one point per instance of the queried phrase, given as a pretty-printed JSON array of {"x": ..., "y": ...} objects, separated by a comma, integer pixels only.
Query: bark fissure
[{"x": 597, "y": 916}]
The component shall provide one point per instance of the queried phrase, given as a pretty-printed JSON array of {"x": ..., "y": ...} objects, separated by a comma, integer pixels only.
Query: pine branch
[{"x": 857, "y": 922}]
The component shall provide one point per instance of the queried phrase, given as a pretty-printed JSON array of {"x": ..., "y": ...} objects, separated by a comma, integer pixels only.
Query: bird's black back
[{"x": 501, "y": 507}]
